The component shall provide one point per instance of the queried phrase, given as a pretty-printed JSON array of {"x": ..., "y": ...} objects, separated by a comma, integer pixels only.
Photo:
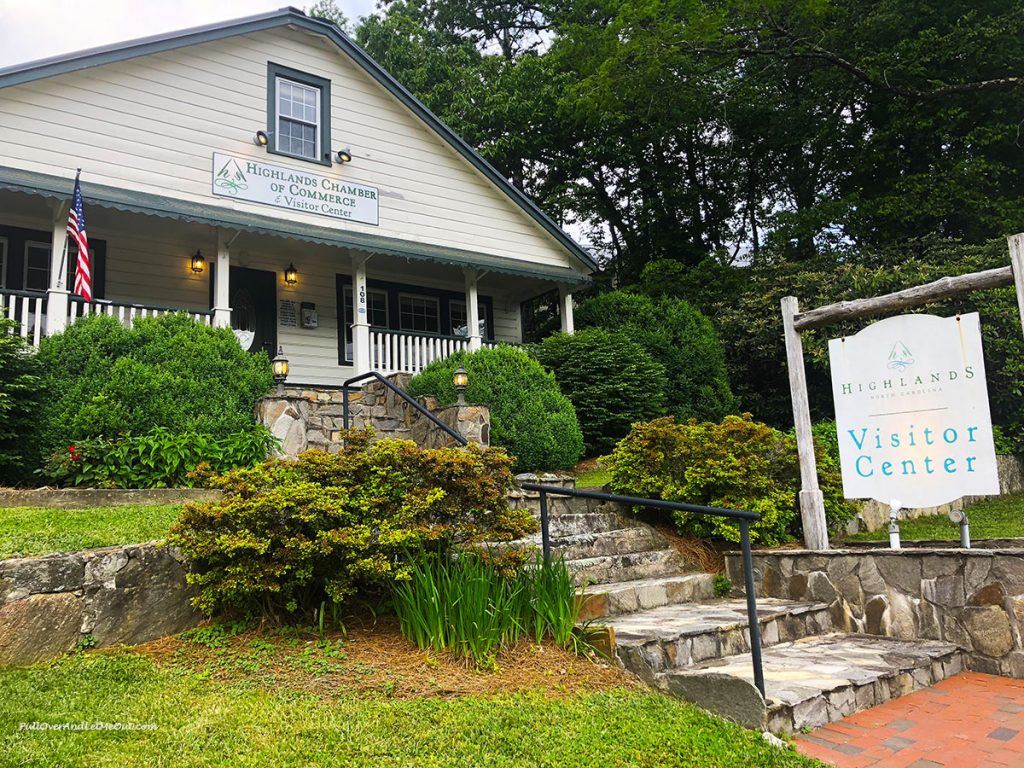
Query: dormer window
[{"x": 298, "y": 114}]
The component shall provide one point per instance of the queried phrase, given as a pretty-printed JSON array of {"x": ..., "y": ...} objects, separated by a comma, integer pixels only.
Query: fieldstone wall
[
  {"x": 111, "y": 596},
  {"x": 87, "y": 498},
  {"x": 313, "y": 417},
  {"x": 874, "y": 515},
  {"x": 973, "y": 598}
]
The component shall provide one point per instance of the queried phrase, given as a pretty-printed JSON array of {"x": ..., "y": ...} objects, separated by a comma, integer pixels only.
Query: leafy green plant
[
  {"x": 679, "y": 338},
  {"x": 19, "y": 401},
  {"x": 292, "y": 536},
  {"x": 158, "y": 459},
  {"x": 737, "y": 463},
  {"x": 468, "y": 605},
  {"x": 530, "y": 417},
  {"x": 723, "y": 586},
  {"x": 611, "y": 381},
  {"x": 100, "y": 379}
]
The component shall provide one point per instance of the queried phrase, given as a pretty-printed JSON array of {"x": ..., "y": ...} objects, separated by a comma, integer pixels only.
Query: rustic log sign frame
[{"x": 795, "y": 322}]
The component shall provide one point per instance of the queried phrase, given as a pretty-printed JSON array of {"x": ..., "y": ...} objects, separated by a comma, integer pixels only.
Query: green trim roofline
[
  {"x": 31, "y": 182},
  {"x": 58, "y": 65}
]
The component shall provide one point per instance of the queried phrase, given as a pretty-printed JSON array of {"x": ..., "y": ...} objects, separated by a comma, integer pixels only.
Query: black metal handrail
[
  {"x": 744, "y": 518},
  {"x": 402, "y": 394}
]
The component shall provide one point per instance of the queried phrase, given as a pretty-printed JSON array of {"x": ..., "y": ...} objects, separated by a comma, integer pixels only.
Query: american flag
[{"x": 76, "y": 231}]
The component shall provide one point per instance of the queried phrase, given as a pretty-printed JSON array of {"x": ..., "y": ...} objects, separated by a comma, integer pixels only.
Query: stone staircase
[{"x": 668, "y": 628}]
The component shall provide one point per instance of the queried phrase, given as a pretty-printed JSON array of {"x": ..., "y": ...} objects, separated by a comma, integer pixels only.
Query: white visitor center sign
[{"x": 912, "y": 411}]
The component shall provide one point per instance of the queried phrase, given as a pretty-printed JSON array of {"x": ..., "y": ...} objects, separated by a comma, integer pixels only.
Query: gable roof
[{"x": 73, "y": 62}]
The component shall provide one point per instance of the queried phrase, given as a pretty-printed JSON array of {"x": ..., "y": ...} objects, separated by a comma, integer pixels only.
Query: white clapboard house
[{"x": 266, "y": 174}]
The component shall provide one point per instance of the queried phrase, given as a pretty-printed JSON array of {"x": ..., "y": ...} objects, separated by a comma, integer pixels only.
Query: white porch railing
[
  {"x": 129, "y": 313},
  {"x": 28, "y": 310},
  {"x": 403, "y": 352}
]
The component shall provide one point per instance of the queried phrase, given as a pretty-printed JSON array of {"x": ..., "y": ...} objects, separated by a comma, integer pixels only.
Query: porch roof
[{"x": 45, "y": 185}]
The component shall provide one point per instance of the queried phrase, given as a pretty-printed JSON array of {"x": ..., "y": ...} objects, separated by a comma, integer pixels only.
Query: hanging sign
[
  {"x": 297, "y": 190},
  {"x": 912, "y": 411}
]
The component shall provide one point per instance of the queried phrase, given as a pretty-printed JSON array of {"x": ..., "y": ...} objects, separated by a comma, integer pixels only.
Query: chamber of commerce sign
[
  {"x": 258, "y": 182},
  {"x": 912, "y": 411}
]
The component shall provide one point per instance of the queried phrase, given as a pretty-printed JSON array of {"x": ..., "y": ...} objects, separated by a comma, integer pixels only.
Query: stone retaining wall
[
  {"x": 129, "y": 594},
  {"x": 313, "y": 417},
  {"x": 874, "y": 515},
  {"x": 87, "y": 498},
  {"x": 973, "y": 598}
]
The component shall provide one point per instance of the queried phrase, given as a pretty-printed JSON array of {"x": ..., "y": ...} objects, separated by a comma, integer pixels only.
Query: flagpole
[{"x": 64, "y": 252}]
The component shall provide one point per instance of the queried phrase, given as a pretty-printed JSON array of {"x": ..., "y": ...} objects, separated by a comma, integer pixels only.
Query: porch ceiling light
[
  {"x": 461, "y": 380},
  {"x": 291, "y": 275},
  {"x": 279, "y": 366},
  {"x": 261, "y": 139},
  {"x": 344, "y": 155},
  {"x": 198, "y": 263}
]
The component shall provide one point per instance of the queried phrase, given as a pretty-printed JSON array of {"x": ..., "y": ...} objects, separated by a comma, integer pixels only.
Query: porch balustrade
[
  {"x": 404, "y": 352},
  {"x": 26, "y": 308},
  {"x": 129, "y": 313}
]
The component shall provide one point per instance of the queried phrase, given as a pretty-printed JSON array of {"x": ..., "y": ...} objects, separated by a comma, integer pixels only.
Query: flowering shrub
[
  {"x": 737, "y": 463},
  {"x": 292, "y": 535},
  {"x": 158, "y": 459}
]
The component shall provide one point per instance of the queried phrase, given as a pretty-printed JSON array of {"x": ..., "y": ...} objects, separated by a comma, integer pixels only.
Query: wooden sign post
[{"x": 812, "y": 507}]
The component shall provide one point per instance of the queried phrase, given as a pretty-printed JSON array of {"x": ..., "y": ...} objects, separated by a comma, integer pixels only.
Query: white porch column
[
  {"x": 221, "y": 281},
  {"x": 360, "y": 317},
  {"x": 472, "y": 310},
  {"x": 57, "y": 293},
  {"x": 565, "y": 308}
]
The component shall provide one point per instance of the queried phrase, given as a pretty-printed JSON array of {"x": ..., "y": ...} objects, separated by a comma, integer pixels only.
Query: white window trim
[
  {"x": 433, "y": 299},
  {"x": 3, "y": 262},
  {"x": 24, "y": 271},
  {"x": 278, "y": 116}
]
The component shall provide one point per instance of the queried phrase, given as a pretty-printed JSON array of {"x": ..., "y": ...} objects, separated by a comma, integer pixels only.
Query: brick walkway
[{"x": 968, "y": 721}]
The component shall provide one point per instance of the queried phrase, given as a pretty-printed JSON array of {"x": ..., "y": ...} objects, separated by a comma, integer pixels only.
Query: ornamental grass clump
[
  {"x": 292, "y": 535},
  {"x": 469, "y": 605}
]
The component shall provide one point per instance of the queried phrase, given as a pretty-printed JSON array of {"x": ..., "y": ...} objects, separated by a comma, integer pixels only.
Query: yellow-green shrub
[
  {"x": 737, "y": 463},
  {"x": 290, "y": 535}
]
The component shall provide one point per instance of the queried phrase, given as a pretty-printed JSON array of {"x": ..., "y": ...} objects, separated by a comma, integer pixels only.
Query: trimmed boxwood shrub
[
  {"x": 677, "y": 336},
  {"x": 19, "y": 401},
  {"x": 611, "y": 381},
  {"x": 530, "y": 417},
  {"x": 737, "y": 463},
  {"x": 290, "y": 536},
  {"x": 101, "y": 379}
]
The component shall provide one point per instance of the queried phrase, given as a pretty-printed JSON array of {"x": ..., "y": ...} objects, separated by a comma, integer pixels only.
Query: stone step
[
  {"x": 604, "y": 600},
  {"x": 815, "y": 680},
  {"x": 575, "y": 524},
  {"x": 621, "y": 541},
  {"x": 685, "y": 634},
  {"x": 629, "y": 566}
]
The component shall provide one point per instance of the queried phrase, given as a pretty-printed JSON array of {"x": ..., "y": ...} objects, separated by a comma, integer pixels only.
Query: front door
[{"x": 254, "y": 309}]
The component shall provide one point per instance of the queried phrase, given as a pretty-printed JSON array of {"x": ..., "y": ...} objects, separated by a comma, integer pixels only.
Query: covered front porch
[{"x": 336, "y": 310}]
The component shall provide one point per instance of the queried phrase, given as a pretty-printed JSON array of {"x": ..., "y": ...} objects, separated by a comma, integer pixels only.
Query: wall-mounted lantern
[
  {"x": 198, "y": 263},
  {"x": 291, "y": 275}
]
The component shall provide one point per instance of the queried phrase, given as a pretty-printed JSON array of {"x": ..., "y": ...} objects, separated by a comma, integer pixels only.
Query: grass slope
[
  {"x": 997, "y": 518},
  {"x": 202, "y": 722},
  {"x": 38, "y": 531}
]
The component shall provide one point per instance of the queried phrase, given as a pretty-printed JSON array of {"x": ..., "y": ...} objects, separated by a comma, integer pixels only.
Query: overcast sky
[{"x": 35, "y": 29}]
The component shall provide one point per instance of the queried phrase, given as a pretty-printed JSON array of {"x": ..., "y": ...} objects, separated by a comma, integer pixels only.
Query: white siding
[{"x": 152, "y": 124}]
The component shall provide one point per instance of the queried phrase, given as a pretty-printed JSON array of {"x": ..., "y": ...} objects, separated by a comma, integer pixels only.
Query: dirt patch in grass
[{"x": 374, "y": 659}]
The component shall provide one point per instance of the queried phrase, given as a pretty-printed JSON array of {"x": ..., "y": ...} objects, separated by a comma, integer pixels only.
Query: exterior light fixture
[
  {"x": 291, "y": 275},
  {"x": 261, "y": 139},
  {"x": 344, "y": 155},
  {"x": 198, "y": 263},
  {"x": 461, "y": 380},
  {"x": 279, "y": 366}
]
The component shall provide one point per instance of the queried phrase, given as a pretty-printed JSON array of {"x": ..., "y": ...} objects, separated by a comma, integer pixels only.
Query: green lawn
[
  {"x": 37, "y": 531},
  {"x": 997, "y": 518},
  {"x": 203, "y": 722},
  {"x": 595, "y": 478}
]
